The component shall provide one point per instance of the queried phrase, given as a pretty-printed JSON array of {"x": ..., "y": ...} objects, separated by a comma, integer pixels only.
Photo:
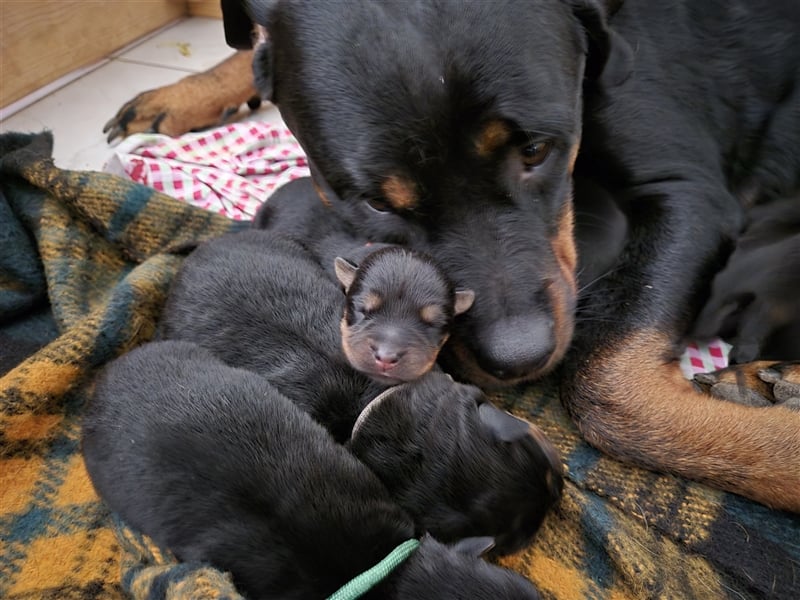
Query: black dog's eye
[
  {"x": 379, "y": 205},
  {"x": 535, "y": 153}
]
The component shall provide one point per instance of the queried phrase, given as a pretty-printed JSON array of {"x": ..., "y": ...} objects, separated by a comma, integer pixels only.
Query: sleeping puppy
[
  {"x": 295, "y": 210},
  {"x": 755, "y": 299},
  {"x": 215, "y": 464},
  {"x": 459, "y": 465},
  {"x": 262, "y": 302},
  {"x": 388, "y": 299}
]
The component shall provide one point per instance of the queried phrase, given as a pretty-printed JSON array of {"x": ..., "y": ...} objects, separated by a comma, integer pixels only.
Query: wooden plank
[
  {"x": 42, "y": 40},
  {"x": 205, "y": 8}
]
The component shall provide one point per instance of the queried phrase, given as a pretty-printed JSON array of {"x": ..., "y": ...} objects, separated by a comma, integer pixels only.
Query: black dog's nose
[{"x": 516, "y": 346}]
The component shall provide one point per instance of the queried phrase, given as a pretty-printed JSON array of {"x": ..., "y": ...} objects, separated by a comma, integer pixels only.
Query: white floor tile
[
  {"x": 76, "y": 113},
  {"x": 192, "y": 45}
]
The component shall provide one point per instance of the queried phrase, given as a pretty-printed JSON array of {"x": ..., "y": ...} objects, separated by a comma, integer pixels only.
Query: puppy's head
[
  {"x": 399, "y": 310},
  {"x": 454, "y": 571},
  {"x": 457, "y": 464},
  {"x": 452, "y": 128}
]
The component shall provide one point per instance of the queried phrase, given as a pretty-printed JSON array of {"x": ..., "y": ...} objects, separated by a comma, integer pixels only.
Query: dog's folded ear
[
  {"x": 502, "y": 425},
  {"x": 258, "y": 13},
  {"x": 610, "y": 58},
  {"x": 474, "y": 546}
]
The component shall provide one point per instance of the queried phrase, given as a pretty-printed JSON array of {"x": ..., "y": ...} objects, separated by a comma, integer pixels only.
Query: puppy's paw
[{"x": 760, "y": 383}]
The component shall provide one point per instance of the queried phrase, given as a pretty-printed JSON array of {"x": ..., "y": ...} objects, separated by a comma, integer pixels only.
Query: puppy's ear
[
  {"x": 610, "y": 57},
  {"x": 502, "y": 425},
  {"x": 464, "y": 299},
  {"x": 345, "y": 272},
  {"x": 474, "y": 546}
]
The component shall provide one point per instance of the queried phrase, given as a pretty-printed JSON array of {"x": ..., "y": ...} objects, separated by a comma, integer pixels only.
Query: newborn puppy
[
  {"x": 215, "y": 464},
  {"x": 395, "y": 321},
  {"x": 755, "y": 299},
  {"x": 398, "y": 313},
  {"x": 295, "y": 210},
  {"x": 459, "y": 465},
  {"x": 261, "y": 301}
]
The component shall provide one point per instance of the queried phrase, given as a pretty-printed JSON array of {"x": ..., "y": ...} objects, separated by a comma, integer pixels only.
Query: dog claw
[
  {"x": 733, "y": 392},
  {"x": 754, "y": 384}
]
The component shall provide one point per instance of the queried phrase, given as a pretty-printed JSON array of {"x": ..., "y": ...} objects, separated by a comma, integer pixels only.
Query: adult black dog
[{"x": 454, "y": 127}]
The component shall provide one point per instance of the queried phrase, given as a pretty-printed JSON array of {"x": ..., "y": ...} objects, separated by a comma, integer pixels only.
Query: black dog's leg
[{"x": 624, "y": 386}]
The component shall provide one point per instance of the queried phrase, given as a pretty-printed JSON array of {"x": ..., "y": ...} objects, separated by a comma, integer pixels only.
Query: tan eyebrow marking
[
  {"x": 401, "y": 192},
  {"x": 494, "y": 134},
  {"x": 372, "y": 301},
  {"x": 430, "y": 313}
]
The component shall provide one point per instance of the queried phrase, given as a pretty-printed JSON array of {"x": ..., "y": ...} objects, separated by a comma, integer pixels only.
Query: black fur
[
  {"x": 260, "y": 302},
  {"x": 215, "y": 464},
  {"x": 681, "y": 113},
  {"x": 755, "y": 299},
  {"x": 400, "y": 305},
  {"x": 459, "y": 465},
  {"x": 677, "y": 141}
]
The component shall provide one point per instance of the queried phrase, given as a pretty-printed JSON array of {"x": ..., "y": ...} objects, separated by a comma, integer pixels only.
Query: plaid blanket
[{"x": 85, "y": 263}]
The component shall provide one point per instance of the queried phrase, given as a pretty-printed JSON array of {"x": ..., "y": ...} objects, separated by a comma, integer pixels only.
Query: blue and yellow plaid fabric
[{"x": 85, "y": 263}]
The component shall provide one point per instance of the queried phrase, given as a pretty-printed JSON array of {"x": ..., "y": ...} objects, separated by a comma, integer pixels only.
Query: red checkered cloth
[
  {"x": 702, "y": 358},
  {"x": 232, "y": 169},
  {"x": 229, "y": 170}
]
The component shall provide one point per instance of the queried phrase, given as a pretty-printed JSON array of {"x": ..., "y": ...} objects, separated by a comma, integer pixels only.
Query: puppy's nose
[
  {"x": 516, "y": 346},
  {"x": 386, "y": 356}
]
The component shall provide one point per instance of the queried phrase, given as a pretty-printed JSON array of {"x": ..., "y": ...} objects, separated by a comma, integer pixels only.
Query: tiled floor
[{"x": 77, "y": 112}]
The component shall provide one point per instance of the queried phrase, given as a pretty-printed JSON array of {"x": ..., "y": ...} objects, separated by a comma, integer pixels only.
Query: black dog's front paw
[{"x": 761, "y": 384}]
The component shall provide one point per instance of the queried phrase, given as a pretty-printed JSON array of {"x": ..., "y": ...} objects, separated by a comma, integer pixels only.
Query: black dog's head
[
  {"x": 398, "y": 313},
  {"x": 451, "y": 127}
]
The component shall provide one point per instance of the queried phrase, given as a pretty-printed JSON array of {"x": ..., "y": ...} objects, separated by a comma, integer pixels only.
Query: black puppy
[
  {"x": 755, "y": 299},
  {"x": 216, "y": 465},
  {"x": 459, "y": 465},
  {"x": 260, "y": 302},
  {"x": 295, "y": 210}
]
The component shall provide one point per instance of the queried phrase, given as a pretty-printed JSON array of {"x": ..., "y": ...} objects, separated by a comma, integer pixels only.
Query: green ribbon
[{"x": 361, "y": 584}]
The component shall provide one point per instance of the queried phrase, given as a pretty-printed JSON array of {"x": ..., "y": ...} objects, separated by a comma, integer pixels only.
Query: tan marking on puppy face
[
  {"x": 493, "y": 135},
  {"x": 401, "y": 192},
  {"x": 371, "y": 301},
  {"x": 430, "y": 313}
]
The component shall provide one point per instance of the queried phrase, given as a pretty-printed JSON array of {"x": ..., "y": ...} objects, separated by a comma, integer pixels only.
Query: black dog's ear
[
  {"x": 502, "y": 425},
  {"x": 238, "y": 25},
  {"x": 263, "y": 71},
  {"x": 260, "y": 13},
  {"x": 474, "y": 546},
  {"x": 345, "y": 272},
  {"x": 610, "y": 57}
]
